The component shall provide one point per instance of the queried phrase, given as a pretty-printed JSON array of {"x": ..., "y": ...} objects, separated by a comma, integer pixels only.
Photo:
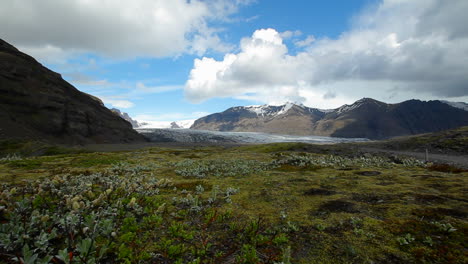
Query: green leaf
[
  {"x": 28, "y": 255},
  {"x": 84, "y": 246},
  {"x": 63, "y": 255}
]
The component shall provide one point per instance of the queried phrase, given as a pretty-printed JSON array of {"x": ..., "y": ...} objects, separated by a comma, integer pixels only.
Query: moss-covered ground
[
  {"x": 249, "y": 204},
  {"x": 454, "y": 141}
]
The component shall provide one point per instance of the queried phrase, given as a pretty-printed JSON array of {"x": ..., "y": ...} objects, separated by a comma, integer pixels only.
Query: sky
[{"x": 171, "y": 60}]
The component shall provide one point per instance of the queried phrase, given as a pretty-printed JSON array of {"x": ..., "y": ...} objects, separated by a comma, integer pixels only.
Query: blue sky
[{"x": 169, "y": 60}]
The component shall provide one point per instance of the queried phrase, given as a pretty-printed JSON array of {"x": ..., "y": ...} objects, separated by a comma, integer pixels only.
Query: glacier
[{"x": 205, "y": 136}]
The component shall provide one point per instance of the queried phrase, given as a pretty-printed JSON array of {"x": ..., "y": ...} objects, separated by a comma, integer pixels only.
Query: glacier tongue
[{"x": 204, "y": 136}]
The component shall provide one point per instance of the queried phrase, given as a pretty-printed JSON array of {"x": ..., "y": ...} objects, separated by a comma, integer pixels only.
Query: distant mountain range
[
  {"x": 163, "y": 124},
  {"x": 36, "y": 103},
  {"x": 366, "y": 118}
]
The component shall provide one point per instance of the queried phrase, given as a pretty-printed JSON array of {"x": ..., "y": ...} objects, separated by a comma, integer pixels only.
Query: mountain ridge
[{"x": 365, "y": 118}]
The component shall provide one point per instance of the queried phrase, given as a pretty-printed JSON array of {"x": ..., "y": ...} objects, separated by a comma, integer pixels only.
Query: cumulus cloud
[
  {"x": 117, "y": 28},
  {"x": 259, "y": 66},
  {"x": 395, "y": 50}
]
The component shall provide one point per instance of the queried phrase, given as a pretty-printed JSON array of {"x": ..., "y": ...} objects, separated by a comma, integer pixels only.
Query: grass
[
  {"x": 252, "y": 204},
  {"x": 35, "y": 148},
  {"x": 454, "y": 141}
]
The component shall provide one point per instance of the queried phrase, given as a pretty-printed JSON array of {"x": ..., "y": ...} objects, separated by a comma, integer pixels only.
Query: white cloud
[
  {"x": 185, "y": 120},
  {"x": 395, "y": 50},
  {"x": 47, "y": 53},
  {"x": 117, "y": 28},
  {"x": 141, "y": 88},
  {"x": 117, "y": 103},
  {"x": 260, "y": 65},
  {"x": 78, "y": 78},
  {"x": 290, "y": 34},
  {"x": 305, "y": 42},
  {"x": 170, "y": 117}
]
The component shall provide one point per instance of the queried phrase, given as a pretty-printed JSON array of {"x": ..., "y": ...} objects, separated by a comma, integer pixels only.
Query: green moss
[
  {"x": 96, "y": 159},
  {"x": 26, "y": 164}
]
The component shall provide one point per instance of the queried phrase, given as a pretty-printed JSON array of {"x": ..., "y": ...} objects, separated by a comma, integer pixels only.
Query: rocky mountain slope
[
  {"x": 36, "y": 103},
  {"x": 366, "y": 118},
  {"x": 134, "y": 123},
  {"x": 288, "y": 119}
]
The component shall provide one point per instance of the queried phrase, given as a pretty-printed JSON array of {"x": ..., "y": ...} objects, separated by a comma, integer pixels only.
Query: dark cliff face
[
  {"x": 36, "y": 103},
  {"x": 366, "y": 118}
]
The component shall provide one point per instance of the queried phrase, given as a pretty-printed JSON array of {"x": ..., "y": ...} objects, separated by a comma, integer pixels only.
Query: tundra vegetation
[{"x": 248, "y": 204}]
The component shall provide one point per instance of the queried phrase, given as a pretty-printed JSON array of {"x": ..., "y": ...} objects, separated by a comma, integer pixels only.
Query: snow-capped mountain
[
  {"x": 366, "y": 118},
  {"x": 290, "y": 118},
  {"x": 273, "y": 110},
  {"x": 167, "y": 124},
  {"x": 270, "y": 110},
  {"x": 346, "y": 108}
]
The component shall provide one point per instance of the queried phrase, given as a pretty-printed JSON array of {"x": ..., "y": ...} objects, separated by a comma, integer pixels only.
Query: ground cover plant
[{"x": 255, "y": 204}]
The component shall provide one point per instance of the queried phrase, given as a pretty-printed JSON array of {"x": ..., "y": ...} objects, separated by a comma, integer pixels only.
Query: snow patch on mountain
[
  {"x": 260, "y": 110},
  {"x": 326, "y": 111},
  {"x": 271, "y": 110},
  {"x": 285, "y": 108},
  {"x": 346, "y": 108}
]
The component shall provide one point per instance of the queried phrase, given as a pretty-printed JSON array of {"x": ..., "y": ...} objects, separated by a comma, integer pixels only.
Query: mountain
[
  {"x": 166, "y": 124},
  {"x": 291, "y": 119},
  {"x": 125, "y": 116},
  {"x": 366, "y": 118},
  {"x": 174, "y": 125},
  {"x": 460, "y": 105},
  {"x": 36, "y": 103}
]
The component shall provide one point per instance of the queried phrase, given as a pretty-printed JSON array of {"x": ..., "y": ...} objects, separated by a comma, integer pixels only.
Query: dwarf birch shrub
[
  {"x": 219, "y": 168},
  {"x": 341, "y": 162}
]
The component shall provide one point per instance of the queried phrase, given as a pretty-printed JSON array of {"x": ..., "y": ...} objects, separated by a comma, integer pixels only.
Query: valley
[{"x": 357, "y": 181}]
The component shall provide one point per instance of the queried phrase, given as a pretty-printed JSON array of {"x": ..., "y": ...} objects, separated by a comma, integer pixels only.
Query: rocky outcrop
[
  {"x": 36, "y": 103},
  {"x": 366, "y": 118},
  {"x": 126, "y": 117},
  {"x": 174, "y": 125}
]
